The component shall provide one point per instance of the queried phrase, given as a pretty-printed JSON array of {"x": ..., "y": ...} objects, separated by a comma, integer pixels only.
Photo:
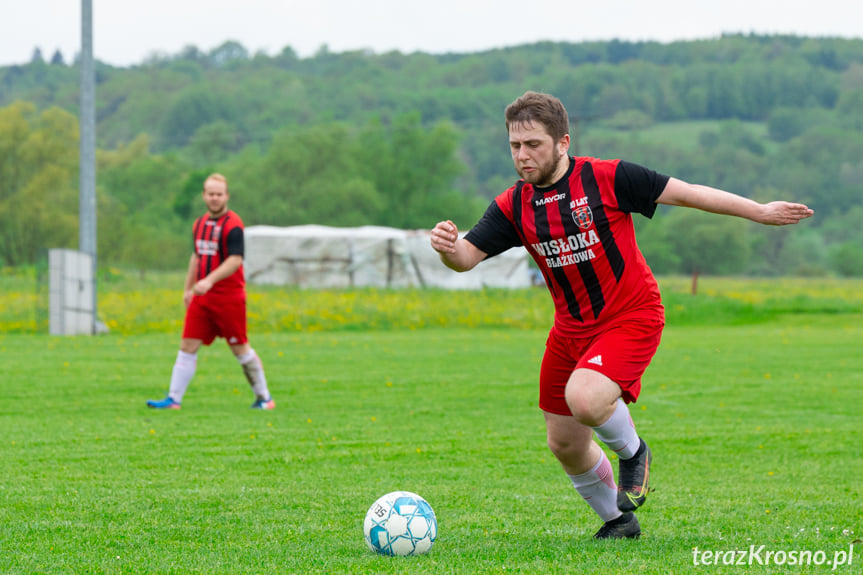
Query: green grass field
[{"x": 756, "y": 431}]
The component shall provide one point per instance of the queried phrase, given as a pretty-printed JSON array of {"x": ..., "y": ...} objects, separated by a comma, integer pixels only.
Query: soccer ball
[{"x": 400, "y": 523}]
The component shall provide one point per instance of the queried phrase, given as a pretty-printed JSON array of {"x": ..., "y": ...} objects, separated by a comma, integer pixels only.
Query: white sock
[
  {"x": 598, "y": 488},
  {"x": 618, "y": 432},
  {"x": 254, "y": 371},
  {"x": 181, "y": 376}
]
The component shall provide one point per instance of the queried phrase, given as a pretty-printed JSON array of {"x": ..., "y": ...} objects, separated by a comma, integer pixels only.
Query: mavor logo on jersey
[{"x": 583, "y": 217}]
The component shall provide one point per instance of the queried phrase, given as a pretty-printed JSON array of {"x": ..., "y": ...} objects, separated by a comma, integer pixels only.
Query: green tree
[
  {"x": 187, "y": 201},
  {"x": 140, "y": 222},
  {"x": 193, "y": 108},
  {"x": 38, "y": 168},
  {"x": 214, "y": 142},
  {"x": 850, "y": 108},
  {"x": 147, "y": 249},
  {"x": 307, "y": 176},
  {"x": 414, "y": 170},
  {"x": 228, "y": 52},
  {"x": 708, "y": 243},
  {"x": 783, "y": 124},
  {"x": 655, "y": 243},
  {"x": 805, "y": 254},
  {"x": 847, "y": 259},
  {"x": 146, "y": 185}
]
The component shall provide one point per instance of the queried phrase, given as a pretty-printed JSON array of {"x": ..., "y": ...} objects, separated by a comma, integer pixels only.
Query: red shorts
[
  {"x": 622, "y": 353},
  {"x": 216, "y": 315}
]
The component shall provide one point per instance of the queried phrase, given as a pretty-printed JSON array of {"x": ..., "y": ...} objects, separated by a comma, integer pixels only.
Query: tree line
[{"x": 405, "y": 139}]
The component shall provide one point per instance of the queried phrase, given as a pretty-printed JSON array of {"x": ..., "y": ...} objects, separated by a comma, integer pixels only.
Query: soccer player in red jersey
[
  {"x": 573, "y": 214},
  {"x": 215, "y": 299}
]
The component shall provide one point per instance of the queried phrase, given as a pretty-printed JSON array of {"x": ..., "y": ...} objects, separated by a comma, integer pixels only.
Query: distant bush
[
  {"x": 784, "y": 124},
  {"x": 630, "y": 120},
  {"x": 847, "y": 259}
]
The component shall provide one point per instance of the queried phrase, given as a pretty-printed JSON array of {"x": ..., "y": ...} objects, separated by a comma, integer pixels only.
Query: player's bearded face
[
  {"x": 543, "y": 174},
  {"x": 535, "y": 154},
  {"x": 216, "y": 197}
]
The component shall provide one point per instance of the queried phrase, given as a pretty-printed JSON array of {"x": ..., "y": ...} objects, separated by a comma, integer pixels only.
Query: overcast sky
[{"x": 127, "y": 32}]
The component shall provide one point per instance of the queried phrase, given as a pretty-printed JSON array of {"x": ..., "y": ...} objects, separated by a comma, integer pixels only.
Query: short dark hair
[{"x": 544, "y": 109}]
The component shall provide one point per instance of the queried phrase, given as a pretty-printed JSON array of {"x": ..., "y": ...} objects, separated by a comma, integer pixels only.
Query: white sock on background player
[
  {"x": 254, "y": 371},
  {"x": 182, "y": 374},
  {"x": 618, "y": 432},
  {"x": 598, "y": 488}
]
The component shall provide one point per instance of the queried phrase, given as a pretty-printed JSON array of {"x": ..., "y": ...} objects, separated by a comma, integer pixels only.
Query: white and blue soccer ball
[{"x": 400, "y": 523}]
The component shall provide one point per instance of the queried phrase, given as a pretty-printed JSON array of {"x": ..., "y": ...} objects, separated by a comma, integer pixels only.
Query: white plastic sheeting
[{"x": 325, "y": 257}]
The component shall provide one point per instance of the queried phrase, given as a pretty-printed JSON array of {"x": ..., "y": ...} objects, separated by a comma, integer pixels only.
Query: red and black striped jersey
[
  {"x": 580, "y": 233},
  {"x": 215, "y": 240}
]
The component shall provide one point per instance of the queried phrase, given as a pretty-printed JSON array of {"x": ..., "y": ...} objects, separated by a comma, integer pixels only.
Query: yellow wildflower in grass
[
  {"x": 136, "y": 304},
  {"x": 759, "y": 290}
]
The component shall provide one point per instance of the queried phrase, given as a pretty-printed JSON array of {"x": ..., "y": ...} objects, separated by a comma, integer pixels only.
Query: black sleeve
[
  {"x": 493, "y": 233},
  {"x": 235, "y": 242},
  {"x": 637, "y": 188}
]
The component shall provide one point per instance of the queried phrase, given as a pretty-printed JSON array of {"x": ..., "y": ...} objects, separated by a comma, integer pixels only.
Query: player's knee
[
  {"x": 587, "y": 408},
  {"x": 190, "y": 345}
]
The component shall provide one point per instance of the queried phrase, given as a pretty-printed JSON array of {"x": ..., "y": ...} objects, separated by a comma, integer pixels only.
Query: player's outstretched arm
[
  {"x": 456, "y": 254},
  {"x": 680, "y": 193}
]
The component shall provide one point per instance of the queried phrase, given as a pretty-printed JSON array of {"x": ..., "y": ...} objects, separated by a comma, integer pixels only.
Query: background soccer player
[
  {"x": 573, "y": 214},
  {"x": 215, "y": 298}
]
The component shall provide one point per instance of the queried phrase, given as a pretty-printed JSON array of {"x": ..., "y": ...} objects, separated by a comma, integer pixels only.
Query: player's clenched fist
[{"x": 444, "y": 236}]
